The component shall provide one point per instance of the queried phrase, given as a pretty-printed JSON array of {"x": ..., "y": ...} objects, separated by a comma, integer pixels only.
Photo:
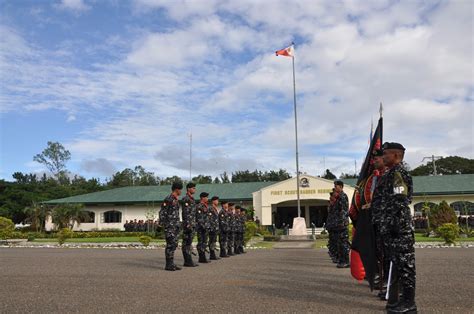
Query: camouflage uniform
[
  {"x": 397, "y": 229},
  {"x": 189, "y": 225},
  {"x": 341, "y": 223},
  {"x": 331, "y": 229},
  {"x": 169, "y": 219},
  {"x": 242, "y": 220},
  {"x": 223, "y": 230},
  {"x": 213, "y": 231},
  {"x": 203, "y": 226},
  {"x": 230, "y": 234}
]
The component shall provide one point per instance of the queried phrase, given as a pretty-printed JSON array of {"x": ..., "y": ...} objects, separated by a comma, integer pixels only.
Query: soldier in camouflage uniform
[
  {"x": 397, "y": 227},
  {"x": 331, "y": 227},
  {"x": 236, "y": 229},
  {"x": 230, "y": 224},
  {"x": 213, "y": 227},
  {"x": 189, "y": 224},
  {"x": 341, "y": 211},
  {"x": 243, "y": 219},
  {"x": 223, "y": 229},
  {"x": 202, "y": 220},
  {"x": 169, "y": 219}
]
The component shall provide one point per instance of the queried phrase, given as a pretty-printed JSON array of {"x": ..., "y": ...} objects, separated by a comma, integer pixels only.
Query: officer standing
[
  {"x": 169, "y": 219},
  {"x": 189, "y": 224},
  {"x": 231, "y": 224},
  {"x": 202, "y": 224},
  {"x": 223, "y": 229},
  {"x": 237, "y": 228},
  {"x": 243, "y": 219},
  {"x": 341, "y": 208},
  {"x": 213, "y": 227},
  {"x": 331, "y": 228},
  {"x": 397, "y": 226}
]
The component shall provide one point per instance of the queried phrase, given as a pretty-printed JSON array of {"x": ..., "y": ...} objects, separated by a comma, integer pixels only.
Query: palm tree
[
  {"x": 37, "y": 214},
  {"x": 66, "y": 215}
]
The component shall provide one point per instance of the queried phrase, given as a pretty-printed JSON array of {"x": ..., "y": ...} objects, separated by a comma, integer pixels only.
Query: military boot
[
  {"x": 407, "y": 303},
  {"x": 170, "y": 265},
  {"x": 229, "y": 252},
  {"x": 188, "y": 261},
  {"x": 202, "y": 258},
  {"x": 236, "y": 250},
  {"x": 213, "y": 256},
  {"x": 223, "y": 253}
]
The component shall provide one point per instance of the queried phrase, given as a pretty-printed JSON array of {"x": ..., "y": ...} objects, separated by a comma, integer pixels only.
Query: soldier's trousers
[
  {"x": 332, "y": 243},
  {"x": 187, "y": 246},
  {"x": 403, "y": 258},
  {"x": 202, "y": 240},
  {"x": 343, "y": 245},
  {"x": 230, "y": 241},
  {"x": 212, "y": 240},
  {"x": 171, "y": 236},
  {"x": 237, "y": 241},
  {"x": 223, "y": 240}
]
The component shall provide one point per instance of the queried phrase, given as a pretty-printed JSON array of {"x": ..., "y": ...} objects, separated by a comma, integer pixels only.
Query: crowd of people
[
  {"x": 141, "y": 225},
  {"x": 218, "y": 220}
]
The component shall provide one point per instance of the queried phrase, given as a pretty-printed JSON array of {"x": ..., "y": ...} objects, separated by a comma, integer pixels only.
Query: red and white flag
[{"x": 287, "y": 52}]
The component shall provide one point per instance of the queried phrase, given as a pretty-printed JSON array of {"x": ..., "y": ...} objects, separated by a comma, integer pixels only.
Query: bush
[
  {"x": 250, "y": 230},
  {"x": 449, "y": 232},
  {"x": 64, "y": 234},
  {"x": 31, "y": 237},
  {"x": 440, "y": 215},
  {"x": 271, "y": 238},
  {"x": 145, "y": 240},
  {"x": 6, "y": 228}
]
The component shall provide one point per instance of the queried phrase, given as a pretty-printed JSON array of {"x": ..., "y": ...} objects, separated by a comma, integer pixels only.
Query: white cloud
[{"x": 76, "y": 6}]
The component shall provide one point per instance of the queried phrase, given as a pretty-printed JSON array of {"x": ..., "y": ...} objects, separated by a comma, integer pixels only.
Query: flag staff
[{"x": 296, "y": 139}]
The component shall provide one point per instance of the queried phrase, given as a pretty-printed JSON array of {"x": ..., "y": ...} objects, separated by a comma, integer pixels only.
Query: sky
[{"x": 124, "y": 83}]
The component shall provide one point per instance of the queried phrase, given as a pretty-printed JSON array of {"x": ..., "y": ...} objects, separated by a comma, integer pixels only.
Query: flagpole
[{"x": 296, "y": 137}]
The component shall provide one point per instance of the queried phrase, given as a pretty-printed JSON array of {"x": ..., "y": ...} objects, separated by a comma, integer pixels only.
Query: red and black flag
[{"x": 363, "y": 241}]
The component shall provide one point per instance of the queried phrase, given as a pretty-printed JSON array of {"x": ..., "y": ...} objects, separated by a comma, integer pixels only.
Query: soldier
[
  {"x": 237, "y": 228},
  {"x": 341, "y": 209},
  {"x": 243, "y": 219},
  {"x": 230, "y": 234},
  {"x": 223, "y": 229},
  {"x": 169, "y": 218},
  {"x": 189, "y": 224},
  {"x": 398, "y": 230},
  {"x": 331, "y": 228},
  {"x": 202, "y": 220},
  {"x": 213, "y": 227}
]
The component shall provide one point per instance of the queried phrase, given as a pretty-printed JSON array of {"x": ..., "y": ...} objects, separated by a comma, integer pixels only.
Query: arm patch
[{"x": 399, "y": 185}]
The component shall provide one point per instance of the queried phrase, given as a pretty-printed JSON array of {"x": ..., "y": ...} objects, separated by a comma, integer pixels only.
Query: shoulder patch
[{"x": 399, "y": 184}]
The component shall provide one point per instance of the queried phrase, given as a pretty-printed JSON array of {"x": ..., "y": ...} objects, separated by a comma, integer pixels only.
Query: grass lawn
[
  {"x": 265, "y": 244},
  {"x": 421, "y": 238},
  {"x": 99, "y": 240}
]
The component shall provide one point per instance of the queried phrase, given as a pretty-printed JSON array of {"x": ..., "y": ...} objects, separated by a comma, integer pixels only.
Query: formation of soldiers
[
  {"x": 389, "y": 192},
  {"x": 211, "y": 224}
]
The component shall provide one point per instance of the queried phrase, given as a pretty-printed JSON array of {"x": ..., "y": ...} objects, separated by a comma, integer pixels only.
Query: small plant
[
  {"x": 250, "y": 230},
  {"x": 449, "y": 232},
  {"x": 31, "y": 237},
  {"x": 63, "y": 234},
  {"x": 441, "y": 214},
  {"x": 145, "y": 240},
  {"x": 6, "y": 228}
]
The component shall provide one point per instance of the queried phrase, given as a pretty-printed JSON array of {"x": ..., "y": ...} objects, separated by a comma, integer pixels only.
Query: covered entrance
[{"x": 313, "y": 211}]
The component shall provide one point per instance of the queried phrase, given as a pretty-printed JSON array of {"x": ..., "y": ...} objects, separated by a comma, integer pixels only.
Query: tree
[
  {"x": 216, "y": 180},
  {"x": 447, "y": 165},
  {"x": 66, "y": 215},
  {"x": 54, "y": 157},
  {"x": 329, "y": 175},
  {"x": 441, "y": 214},
  {"x": 275, "y": 176},
  {"x": 224, "y": 178},
  {"x": 170, "y": 180},
  {"x": 246, "y": 176},
  {"x": 347, "y": 176},
  {"x": 202, "y": 179},
  {"x": 37, "y": 214}
]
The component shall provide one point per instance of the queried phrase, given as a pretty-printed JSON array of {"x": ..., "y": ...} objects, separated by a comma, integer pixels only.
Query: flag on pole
[
  {"x": 363, "y": 241},
  {"x": 287, "y": 52}
]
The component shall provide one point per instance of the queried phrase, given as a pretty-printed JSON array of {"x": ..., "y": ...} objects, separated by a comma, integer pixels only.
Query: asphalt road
[{"x": 263, "y": 281}]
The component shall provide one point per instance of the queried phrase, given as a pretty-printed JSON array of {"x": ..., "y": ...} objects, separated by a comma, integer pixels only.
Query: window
[
  {"x": 464, "y": 208},
  {"x": 419, "y": 207},
  {"x": 89, "y": 217},
  {"x": 112, "y": 216}
]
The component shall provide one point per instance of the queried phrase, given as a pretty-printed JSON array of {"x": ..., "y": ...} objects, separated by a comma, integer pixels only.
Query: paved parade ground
[{"x": 269, "y": 280}]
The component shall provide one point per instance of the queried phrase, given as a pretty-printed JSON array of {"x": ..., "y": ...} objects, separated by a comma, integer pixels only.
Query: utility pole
[
  {"x": 433, "y": 161},
  {"x": 355, "y": 167}
]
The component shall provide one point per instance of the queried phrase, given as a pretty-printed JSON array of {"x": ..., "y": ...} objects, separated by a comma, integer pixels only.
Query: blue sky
[{"x": 124, "y": 83}]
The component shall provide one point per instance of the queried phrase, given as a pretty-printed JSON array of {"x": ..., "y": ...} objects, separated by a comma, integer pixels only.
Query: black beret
[
  {"x": 231, "y": 204},
  {"x": 377, "y": 152},
  {"x": 224, "y": 202},
  {"x": 177, "y": 186},
  {"x": 190, "y": 185},
  {"x": 237, "y": 207},
  {"x": 214, "y": 198},
  {"x": 242, "y": 209},
  {"x": 393, "y": 145},
  {"x": 204, "y": 194},
  {"x": 339, "y": 182}
]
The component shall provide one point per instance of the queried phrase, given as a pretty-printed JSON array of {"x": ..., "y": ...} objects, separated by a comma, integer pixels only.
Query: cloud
[
  {"x": 99, "y": 166},
  {"x": 76, "y": 6}
]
